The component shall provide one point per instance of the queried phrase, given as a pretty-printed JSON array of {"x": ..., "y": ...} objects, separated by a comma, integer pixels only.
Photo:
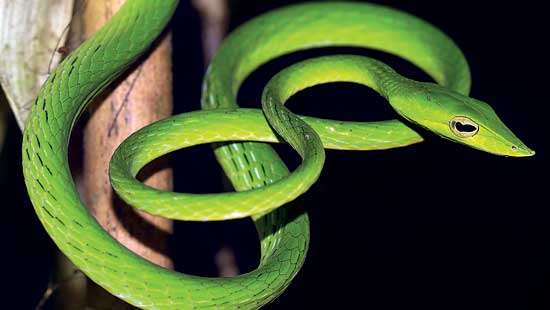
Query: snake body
[{"x": 262, "y": 181}]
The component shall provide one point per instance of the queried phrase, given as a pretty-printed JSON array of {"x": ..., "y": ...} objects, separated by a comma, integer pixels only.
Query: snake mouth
[
  {"x": 512, "y": 145},
  {"x": 521, "y": 151}
]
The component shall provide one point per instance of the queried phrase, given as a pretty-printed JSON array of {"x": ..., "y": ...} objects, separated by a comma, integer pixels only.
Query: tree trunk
[{"x": 142, "y": 96}]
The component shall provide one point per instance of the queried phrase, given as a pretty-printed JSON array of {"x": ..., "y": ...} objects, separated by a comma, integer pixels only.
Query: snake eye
[{"x": 463, "y": 127}]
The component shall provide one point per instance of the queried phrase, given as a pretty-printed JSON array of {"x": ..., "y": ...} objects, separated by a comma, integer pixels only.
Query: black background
[{"x": 435, "y": 225}]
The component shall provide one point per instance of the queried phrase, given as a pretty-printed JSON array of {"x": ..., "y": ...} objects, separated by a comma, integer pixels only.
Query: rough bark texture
[
  {"x": 141, "y": 97},
  {"x": 144, "y": 96}
]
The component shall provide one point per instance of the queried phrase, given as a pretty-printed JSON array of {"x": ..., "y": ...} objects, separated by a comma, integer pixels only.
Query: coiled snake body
[{"x": 261, "y": 179}]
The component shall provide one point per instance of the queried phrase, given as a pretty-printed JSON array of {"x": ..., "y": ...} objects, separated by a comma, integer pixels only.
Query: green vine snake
[{"x": 262, "y": 181}]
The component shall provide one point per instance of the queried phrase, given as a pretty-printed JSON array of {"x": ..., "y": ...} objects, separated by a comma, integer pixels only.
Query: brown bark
[{"x": 142, "y": 96}]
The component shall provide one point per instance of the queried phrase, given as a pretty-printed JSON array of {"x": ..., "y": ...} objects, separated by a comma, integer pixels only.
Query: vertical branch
[{"x": 141, "y": 97}]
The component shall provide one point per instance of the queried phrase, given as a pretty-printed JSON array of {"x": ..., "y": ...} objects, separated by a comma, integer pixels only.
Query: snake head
[{"x": 459, "y": 118}]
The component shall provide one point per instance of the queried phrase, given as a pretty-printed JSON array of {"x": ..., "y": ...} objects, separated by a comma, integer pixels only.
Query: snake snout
[{"x": 522, "y": 151}]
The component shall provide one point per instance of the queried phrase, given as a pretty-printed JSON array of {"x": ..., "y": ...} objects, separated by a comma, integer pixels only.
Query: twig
[
  {"x": 214, "y": 16},
  {"x": 53, "y": 287}
]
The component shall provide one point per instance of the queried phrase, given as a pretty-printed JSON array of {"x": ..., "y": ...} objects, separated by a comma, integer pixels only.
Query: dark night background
[{"x": 434, "y": 225}]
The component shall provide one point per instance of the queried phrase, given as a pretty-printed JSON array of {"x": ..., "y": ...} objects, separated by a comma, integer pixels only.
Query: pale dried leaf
[{"x": 30, "y": 33}]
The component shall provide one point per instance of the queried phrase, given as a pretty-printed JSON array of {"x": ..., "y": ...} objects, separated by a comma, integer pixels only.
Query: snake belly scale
[{"x": 262, "y": 181}]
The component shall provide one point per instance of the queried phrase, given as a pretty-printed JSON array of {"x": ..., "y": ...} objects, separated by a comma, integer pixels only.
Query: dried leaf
[{"x": 31, "y": 31}]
